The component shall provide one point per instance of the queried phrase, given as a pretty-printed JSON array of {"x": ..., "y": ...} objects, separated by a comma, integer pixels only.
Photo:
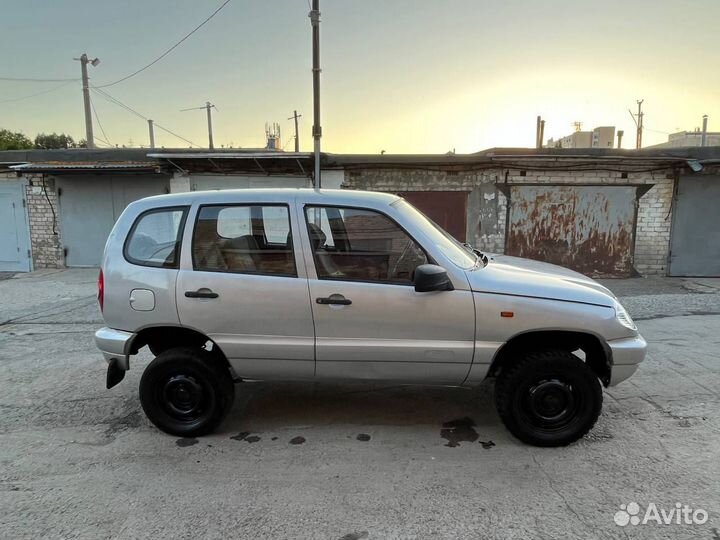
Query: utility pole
[
  {"x": 316, "y": 129},
  {"x": 84, "y": 61},
  {"x": 295, "y": 117},
  {"x": 208, "y": 106},
  {"x": 151, "y": 129},
  {"x": 638, "y": 123}
]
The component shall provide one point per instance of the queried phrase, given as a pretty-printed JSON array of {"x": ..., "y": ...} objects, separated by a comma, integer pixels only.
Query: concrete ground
[{"x": 346, "y": 462}]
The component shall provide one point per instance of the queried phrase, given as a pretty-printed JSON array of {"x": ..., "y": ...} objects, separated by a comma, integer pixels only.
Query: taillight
[{"x": 101, "y": 289}]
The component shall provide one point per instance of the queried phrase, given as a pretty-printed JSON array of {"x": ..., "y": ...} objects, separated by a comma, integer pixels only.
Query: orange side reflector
[{"x": 507, "y": 314}]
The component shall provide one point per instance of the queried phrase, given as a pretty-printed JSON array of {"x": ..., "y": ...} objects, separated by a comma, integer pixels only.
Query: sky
[{"x": 404, "y": 76}]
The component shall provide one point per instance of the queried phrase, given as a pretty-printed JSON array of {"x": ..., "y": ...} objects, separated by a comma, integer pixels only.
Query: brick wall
[
  {"x": 42, "y": 206},
  {"x": 487, "y": 205}
]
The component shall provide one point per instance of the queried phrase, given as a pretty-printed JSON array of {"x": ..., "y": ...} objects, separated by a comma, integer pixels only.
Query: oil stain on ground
[
  {"x": 245, "y": 436},
  {"x": 297, "y": 440},
  {"x": 487, "y": 445},
  {"x": 459, "y": 430},
  {"x": 184, "y": 442},
  {"x": 355, "y": 536},
  {"x": 363, "y": 437}
]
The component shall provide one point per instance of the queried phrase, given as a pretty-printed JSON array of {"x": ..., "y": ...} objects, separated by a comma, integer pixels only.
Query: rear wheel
[
  {"x": 549, "y": 398},
  {"x": 186, "y": 392}
]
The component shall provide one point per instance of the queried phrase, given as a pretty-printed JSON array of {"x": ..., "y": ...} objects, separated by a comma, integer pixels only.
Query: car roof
[{"x": 268, "y": 195}]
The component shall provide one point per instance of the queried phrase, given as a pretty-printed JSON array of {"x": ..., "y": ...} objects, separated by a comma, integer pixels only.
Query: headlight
[{"x": 623, "y": 317}]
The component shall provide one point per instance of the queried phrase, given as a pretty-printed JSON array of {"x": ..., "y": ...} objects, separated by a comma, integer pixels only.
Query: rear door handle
[
  {"x": 335, "y": 300},
  {"x": 201, "y": 293}
]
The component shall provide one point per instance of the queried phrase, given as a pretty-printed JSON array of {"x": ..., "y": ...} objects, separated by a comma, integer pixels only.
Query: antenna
[
  {"x": 272, "y": 132},
  {"x": 577, "y": 125}
]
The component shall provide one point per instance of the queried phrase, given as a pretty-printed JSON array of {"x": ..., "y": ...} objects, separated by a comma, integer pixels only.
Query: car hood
[{"x": 525, "y": 277}]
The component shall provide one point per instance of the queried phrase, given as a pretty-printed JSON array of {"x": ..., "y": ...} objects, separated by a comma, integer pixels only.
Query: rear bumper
[
  {"x": 627, "y": 353},
  {"x": 115, "y": 344}
]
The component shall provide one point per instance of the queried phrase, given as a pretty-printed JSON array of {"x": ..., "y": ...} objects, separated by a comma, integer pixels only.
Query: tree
[
  {"x": 10, "y": 140},
  {"x": 49, "y": 141}
]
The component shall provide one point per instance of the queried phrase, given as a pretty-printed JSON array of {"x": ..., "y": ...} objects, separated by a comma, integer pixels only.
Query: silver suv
[{"x": 278, "y": 284}]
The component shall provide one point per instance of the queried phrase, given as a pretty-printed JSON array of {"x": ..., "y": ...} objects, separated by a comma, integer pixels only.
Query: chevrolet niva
[{"x": 335, "y": 285}]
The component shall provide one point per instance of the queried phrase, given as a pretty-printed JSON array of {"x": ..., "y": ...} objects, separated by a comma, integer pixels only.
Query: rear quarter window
[{"x": 154, "y": 239}]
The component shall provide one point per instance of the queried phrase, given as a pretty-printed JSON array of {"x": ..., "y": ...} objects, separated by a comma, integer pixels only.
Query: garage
[
  {"x": 200, "y": 182},
  {"x": 695, "y": 237},
  {"x": 14, "y": 229},
  {"x": 446, "y": 208},
  {"x": 90, "y": 204},
  {"x": 590, "y": 229}
]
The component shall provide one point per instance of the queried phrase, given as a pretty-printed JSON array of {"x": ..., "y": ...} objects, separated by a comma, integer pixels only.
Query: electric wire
[
  {"x": 163, "y": 55},
  {"x": 92, "y": 106},
  {"x": 12, "y": 100},
  {"x": 119, "y": 103},
  {"x": 20, "y": 79}
]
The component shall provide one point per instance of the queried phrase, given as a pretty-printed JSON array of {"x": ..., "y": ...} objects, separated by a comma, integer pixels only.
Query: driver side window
[{"x": 352, "y": 244}]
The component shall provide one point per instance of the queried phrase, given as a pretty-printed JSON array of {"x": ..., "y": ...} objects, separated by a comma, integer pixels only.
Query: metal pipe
[
  {"x": 152, "y": 133},
  {"x": 316, "y": 130}
]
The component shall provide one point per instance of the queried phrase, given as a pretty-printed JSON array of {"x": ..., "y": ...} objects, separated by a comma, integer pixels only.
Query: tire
[
  {"x": 186, "y": 392},
  {"x": 549, "y": 398}
]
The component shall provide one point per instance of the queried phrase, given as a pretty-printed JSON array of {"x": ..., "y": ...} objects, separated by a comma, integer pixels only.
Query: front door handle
[
  {"x": 334, "y": 300},
  {"x": 201, "y": 293}
]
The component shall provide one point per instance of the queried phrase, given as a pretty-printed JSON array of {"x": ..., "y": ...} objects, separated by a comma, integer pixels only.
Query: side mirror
[{"x": 430, "y": 277}]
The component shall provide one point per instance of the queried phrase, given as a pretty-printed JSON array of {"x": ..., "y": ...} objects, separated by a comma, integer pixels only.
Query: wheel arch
[
  {"x": 162, "y": 338},
  {"x": 596, "y": 351}
]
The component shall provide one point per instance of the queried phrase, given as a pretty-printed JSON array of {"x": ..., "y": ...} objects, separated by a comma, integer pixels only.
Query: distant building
[
  {"x": 689, "y": 138},
  {"x": 600, "y": 137}
]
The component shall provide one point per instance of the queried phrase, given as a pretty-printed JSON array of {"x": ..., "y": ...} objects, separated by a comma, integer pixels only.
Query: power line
[
  {"x": 119, "y": 103},
  {"x": 107, "y": 139},
  {"x": 37, "y": 93},
  {"x": 20, "y": 79},
  {"x": 163, "y": 55}
]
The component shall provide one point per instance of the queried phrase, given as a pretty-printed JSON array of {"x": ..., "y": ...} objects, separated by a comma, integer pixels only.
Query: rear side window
[
  {"x": 154, "y": 239},
  {"x": 244, "y": 239}
]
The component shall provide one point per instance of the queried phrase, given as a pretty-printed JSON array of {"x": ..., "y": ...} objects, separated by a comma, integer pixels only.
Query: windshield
[{"x": 452, "y": 249}]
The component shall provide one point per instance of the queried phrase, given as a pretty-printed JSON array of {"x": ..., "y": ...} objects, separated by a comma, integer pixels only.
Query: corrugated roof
[{"x": 47, "y": 166}]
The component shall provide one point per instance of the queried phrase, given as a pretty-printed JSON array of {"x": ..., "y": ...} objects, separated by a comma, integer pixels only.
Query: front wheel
[
  {"x": 549, "y": 398},
  {"x": 185, "y": 392}
]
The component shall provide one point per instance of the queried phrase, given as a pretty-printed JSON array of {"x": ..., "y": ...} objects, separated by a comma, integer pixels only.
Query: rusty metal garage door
[
  {"x": 590, "y": 229},
  {"x": 695, "y": 247},
  {"x": 446, "y": 208}
]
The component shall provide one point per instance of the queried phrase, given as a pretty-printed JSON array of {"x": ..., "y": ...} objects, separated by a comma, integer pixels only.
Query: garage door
[
  {"x": 89, "y": 207},
  {"x": 14, "y": 235},
  {"x": 695, "y": 246},
  {"x": 590, "y": 229},
  {"x": 446, "y": 208}
]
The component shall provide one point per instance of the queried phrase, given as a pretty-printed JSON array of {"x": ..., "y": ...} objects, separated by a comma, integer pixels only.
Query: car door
[
  {"x": 370, "y": 323},
  {"x": 240, "y": 283}
]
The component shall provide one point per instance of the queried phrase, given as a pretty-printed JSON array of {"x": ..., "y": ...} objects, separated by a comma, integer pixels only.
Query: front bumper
[
  {"x": 115, "y": 346},
  {"x": 627, "y": 353}
]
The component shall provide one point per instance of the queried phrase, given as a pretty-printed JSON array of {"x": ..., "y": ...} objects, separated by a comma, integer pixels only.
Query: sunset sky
[{"x": 404, "y": 76}]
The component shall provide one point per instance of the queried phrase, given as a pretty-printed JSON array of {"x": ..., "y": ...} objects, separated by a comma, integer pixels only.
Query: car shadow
[{"x": 268, "y": 406}]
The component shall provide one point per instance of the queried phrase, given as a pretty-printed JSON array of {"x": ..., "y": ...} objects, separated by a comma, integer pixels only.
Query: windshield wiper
[{"x": 479, "y": 254}]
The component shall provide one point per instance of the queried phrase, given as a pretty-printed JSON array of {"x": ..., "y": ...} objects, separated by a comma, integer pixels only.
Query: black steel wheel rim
[
  {"x": 183, "y": 397},
  {"x": 551, "y": 403}
]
